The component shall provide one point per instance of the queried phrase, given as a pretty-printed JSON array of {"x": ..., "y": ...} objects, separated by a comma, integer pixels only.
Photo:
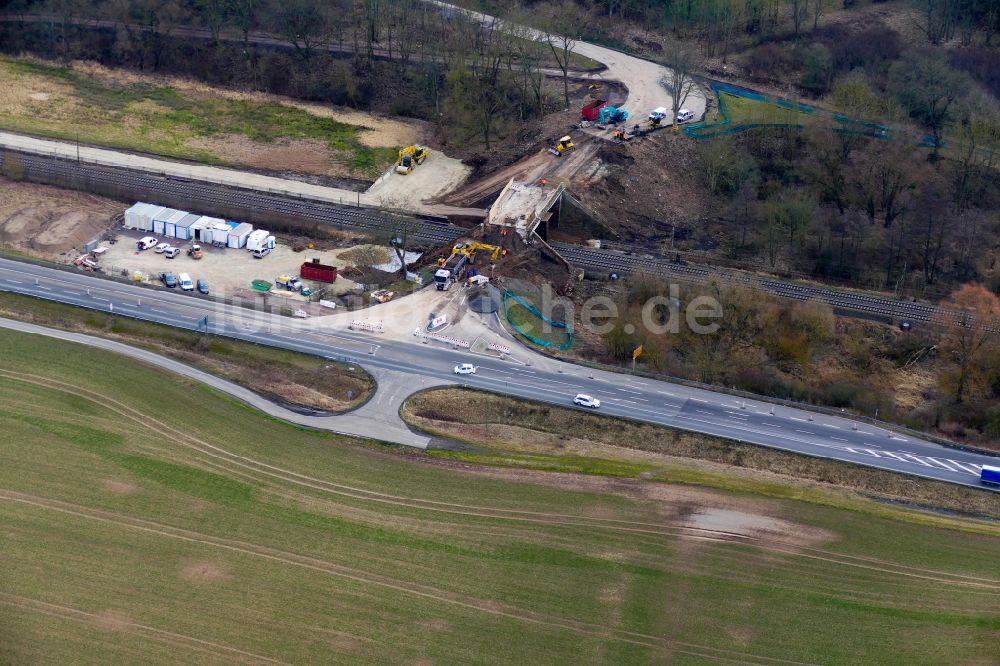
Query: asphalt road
[{"x": 538, "y": 378}]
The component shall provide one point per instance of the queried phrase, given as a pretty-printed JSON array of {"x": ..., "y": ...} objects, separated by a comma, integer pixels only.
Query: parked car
[
  {"x": 465, "y": 369},
  {"x": 145, "y": 243},
  {"x": 585, "y": 400},
  {"x": 685, "y": 115},
  {"x": 171, "y": 252},
  {"x": 186, "y": 283},
  {"x": 168, "y": 280},
  {"x": 202, "y": 286},
  {"x": 261, "y": 252},
  {"x": 162, "y": 247}
]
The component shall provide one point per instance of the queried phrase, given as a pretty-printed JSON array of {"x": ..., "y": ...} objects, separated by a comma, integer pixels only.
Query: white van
[
  {"x": 685, "y": 115},
  {"x": 261, "y": 252},
  {"x": 185, "y": 281}
]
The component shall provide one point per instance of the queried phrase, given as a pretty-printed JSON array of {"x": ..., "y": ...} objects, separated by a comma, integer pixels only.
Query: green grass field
[
  {"x": 163, "y": 120},
  {"x": 148, "y": 520}
]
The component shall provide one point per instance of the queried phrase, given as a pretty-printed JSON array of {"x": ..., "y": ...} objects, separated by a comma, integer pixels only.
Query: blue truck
[{"x": 990, "y": 475}]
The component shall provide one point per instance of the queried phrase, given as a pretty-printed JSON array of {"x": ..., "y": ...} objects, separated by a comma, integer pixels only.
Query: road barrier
[
  {"x": 367, "y": 326},
  {"x": 497, "y": 347}
]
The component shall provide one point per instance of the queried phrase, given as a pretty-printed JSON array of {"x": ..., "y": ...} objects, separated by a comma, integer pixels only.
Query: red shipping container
[
  {"x": 313, "y": 270},
  {"x": 591, "y": 110}
]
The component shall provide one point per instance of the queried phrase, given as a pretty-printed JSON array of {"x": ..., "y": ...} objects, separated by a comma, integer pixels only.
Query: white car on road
[
  {"x": 585, "y": 400},
  {"x": 465, "y": 369},
  {"x": 685, "y": 115},
  {"x": 161, "y": 248},
  {"x": 146, "y": 242}
]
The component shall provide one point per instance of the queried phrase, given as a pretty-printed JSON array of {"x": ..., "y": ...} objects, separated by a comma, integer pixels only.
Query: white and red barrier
[
  {"x": 368, "y": 326},
  {"x": 497, "y": 347}
]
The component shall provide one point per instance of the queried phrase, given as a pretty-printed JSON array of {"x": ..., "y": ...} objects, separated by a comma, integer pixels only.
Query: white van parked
[{"x": 186, "y": 283}]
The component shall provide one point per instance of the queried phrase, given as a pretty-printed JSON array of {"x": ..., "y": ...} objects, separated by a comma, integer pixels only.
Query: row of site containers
[{"x": 182, "y": 225}]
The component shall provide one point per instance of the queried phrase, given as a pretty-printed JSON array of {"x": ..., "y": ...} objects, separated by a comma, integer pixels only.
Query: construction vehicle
[
  {"x": 612, "y": 115},
  {"x": 564, "y": 144},
  {"x": 449, "y": 270},
  {"x": 195, "y": 252},
  {"x": 410, "y": 157},
  {"x": 658, "y": 115},
  {"x": 469, "y": 249},
  {"x": 289, "y": 282}
]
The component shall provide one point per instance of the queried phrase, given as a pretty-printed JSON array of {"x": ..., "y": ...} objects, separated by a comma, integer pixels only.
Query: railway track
[
  {"x": 267, "y": 207},
  {"x": 619, "y": 262}
]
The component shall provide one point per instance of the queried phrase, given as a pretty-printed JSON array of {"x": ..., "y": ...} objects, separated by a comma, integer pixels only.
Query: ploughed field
[{"x": 146, "y": 519}]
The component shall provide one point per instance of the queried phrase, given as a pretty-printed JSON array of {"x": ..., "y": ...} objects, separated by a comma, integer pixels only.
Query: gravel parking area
[{"x": 228, "y": 271}]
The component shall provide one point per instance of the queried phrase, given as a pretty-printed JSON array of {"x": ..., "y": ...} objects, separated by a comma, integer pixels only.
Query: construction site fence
[
  {"x": 854, "y": 126},
  {"x": 566, "y": 344}
]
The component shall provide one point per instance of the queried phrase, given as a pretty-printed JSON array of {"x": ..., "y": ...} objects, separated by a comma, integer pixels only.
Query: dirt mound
[{"x": 70, "y": 230}]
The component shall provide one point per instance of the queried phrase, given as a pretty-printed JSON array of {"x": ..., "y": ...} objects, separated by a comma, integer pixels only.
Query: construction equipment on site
[
  {"x": 612, "y": 115},
  {"x": 410, "y": 157},
  {"x": 289, "y": 282},
  {"x": 591, "y": 110},
  {"x": 564, "y": 144},
  {"x": 658, "y": 115},
  {"x": 469, "y": 249},
  {"x": 195, "y": 252}
]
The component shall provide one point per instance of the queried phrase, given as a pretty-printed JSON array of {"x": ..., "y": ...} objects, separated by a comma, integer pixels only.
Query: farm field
[{"x": 148, "y": 520}]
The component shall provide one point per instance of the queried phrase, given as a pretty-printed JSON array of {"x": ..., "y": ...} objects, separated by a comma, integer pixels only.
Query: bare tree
[
  {"x": 559, "y": 37},
  {"x": 967, "y": 322},
  {"x": 679, "y": 81}
]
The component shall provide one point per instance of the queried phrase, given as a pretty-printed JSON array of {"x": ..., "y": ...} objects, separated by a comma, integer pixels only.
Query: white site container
[
  {"x": 201, "y": 230},
  {"x": 134, "y": 214},
  {"x": 160, "y": 220},
  {"x": 238, "y": 235},
  {"x": 257, "y": 240},
  {"x": 145, "y": 217},
  {"x": 220, "y": 234},
  {"x": 182, "y": 228},
  {"x": 170, "y": 228}
]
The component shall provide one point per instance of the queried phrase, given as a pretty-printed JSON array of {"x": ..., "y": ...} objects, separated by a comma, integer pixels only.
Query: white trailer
[
  {"x": 238, "y": 235},
  {"x": 258, "y": 240}
]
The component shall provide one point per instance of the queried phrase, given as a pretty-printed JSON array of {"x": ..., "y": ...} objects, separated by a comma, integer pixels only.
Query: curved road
[
  {"x": 529, "y": 376},
  {"x": 641, "y": 77}
]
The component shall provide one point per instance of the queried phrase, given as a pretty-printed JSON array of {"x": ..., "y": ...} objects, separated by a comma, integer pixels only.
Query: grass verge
[
  {"x": 519, "y": 433},
  {"x": 278, "y": 374}
]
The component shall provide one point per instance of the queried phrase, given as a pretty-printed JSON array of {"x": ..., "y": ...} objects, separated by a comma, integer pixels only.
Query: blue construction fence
[
  {"x": 848, "y": 125},
  {"x": 566, "y": 344}
]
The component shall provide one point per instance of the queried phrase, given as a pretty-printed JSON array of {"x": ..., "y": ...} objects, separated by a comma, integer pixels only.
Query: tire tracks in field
[
  {"x": 373, "y": 580},
  {"x": 170, "y": 638},
  {"x": 183, "y": 438}
]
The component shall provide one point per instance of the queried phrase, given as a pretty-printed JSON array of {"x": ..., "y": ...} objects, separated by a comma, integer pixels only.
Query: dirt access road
[{"x": 641, "y": 77}]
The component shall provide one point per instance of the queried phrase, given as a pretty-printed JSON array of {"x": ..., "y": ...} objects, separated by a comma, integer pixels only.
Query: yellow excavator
[
  {"x": 410, "y": 157},
  {"x": 470, "y": 248}
]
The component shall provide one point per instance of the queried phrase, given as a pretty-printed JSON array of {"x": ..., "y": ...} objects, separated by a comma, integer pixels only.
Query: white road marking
[
  {"x": 918, "y": 460},
  {"x": 628, "y": 391},
  {"x": 839, "y": 439},
  {"x": 964, "y": 466},
  {"x": 795, "y": 418},
  {"x": 943, "y": 464},
  {"x": 702, "y": 411},
  {"x": 830, "y": 425},
  {"x": 806, "y": 432}
]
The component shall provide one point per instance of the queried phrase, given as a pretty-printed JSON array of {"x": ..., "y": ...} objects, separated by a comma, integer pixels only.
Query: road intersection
[{"x": 524, "y": 375}]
